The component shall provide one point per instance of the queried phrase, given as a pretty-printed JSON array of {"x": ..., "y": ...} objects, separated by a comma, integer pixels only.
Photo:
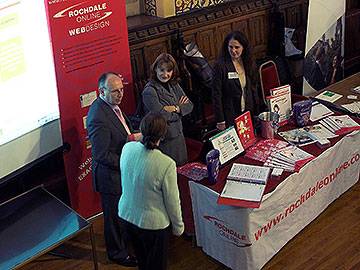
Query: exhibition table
[{"x": 244, "y": 238}]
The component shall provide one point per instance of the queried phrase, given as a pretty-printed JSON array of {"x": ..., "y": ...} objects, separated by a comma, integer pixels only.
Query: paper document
[
  {"x": 243, "y": 191},
  {"x": 249, "y": 173},
  {"x": 246, "y": 182},
  {"x": 329, "y": 96},
  {"x": 352, "y": 107},
  {"x": 319, "y": 111}
]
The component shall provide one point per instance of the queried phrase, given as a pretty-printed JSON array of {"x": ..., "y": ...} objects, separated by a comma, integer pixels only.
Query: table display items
[
  {"x": 302, "y": 112},
  {"x": 289, "y": 158},
  {"x": 268, "y": 124},
  {"x": 280, "y": 102},
  {"x": 307, "y": 135},
  {"x": 353, "y": 107},
  {"x": 329, "y": 96},
  {"x": 213, "y": 164},
  {"x": 279, "y": 154},
  {"x": 297, "y": 136},
  {"x": 244, "y": 184},
  {"x": 245, "y": 129},
  {"x": 319, "y": 111},
  {"x": 194, "y": 170},
  {"x": 228, "y": 144},
  {"x": 263, "y": 149},
  {"x": 340, "y": 124}
]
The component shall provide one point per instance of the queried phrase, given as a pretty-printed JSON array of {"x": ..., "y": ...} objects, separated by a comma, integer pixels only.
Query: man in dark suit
[{"x": 108, "y": 130}]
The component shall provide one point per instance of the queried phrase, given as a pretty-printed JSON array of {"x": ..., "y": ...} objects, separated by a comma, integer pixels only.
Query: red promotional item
[{"x": 245, "y": 129}]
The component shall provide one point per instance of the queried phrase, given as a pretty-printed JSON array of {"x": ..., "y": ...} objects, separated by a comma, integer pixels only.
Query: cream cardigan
[{"x": 150, "y": 195}]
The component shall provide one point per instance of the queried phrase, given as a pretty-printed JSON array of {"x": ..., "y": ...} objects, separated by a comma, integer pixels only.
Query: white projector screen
[{"x": 29, "y": 109}]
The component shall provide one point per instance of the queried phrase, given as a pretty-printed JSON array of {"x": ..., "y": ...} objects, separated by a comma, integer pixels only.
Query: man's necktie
[{"x": 122, "y": 119}]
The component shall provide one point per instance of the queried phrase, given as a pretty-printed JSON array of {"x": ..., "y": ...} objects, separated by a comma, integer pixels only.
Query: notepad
[{"x": 246, "y": 182}]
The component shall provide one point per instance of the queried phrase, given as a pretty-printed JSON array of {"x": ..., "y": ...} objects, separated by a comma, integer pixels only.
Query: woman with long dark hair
[
  {"x": 235, "y": 81},
  {"x": 149, "y": 206}
]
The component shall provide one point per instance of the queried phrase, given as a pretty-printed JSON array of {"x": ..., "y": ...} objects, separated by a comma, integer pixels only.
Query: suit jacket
[
  {"x": 227, "y": 94},
  {"x": 107, "y": 136},
  {"x": 156, "y": 96}
]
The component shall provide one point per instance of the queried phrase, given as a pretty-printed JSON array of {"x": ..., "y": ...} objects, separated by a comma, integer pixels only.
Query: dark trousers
[
  {"x": 150, "y": 246},
  {"x": 113, "y": 232}
]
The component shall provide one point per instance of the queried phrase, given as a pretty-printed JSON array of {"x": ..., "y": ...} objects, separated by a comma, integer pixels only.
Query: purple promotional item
[
  {"x": 213, "y": 163},
  {"x": 302, "y": 111}
]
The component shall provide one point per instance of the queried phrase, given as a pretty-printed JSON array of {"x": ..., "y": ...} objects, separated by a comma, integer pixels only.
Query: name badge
[{"x": 233, "y": 75}]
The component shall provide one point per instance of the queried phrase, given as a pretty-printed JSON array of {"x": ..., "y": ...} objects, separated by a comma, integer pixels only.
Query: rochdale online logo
[{"x": 228, "y": 234}]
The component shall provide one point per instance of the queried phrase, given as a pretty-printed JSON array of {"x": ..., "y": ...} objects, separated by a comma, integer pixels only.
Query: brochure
[
  {"x": 245, "y": 129},
  {"x": 228, "y": 143},
  {"x": 340, "y": 124},
  {"x": 263, "y": 149},
  {"x": 318, "y": 132},
  {"x": 297, "y": 137},
  {"x": 319, "y": 111},
  {"x": 193, "y": 170},
  {"x": 353, "y": 107},
  {"x": 280, "y": 102},
  {"x": 290, "y": 158},
  {"x": 329, "y": 96}
]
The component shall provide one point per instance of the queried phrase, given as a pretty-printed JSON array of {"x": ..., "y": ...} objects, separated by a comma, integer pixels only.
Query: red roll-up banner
[{"x": 88, "y": 38}]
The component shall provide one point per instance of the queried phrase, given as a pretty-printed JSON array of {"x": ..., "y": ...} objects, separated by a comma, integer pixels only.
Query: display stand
[{"x": 35, "y": 223}]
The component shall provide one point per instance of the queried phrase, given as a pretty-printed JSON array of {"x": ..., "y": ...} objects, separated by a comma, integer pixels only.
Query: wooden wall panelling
[
  {"x": 138, "y": 71},
  {"x": 220, "y": 33},
  {"x": 352, "y": 39},
  {"x": 137, "y": 62},
  {"x": 153, "y": 51},
  {"x": 241, "y": 26},
  {"x": 292, "y": 16},
  {"x": 206, "y": 42},
  {"x": 295, "y": 16},
  {"x": 258, "y": 34}
]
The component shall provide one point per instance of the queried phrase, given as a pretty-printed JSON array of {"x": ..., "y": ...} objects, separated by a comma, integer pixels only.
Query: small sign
[
  {"x": 84, "y": 121},
  {"x": 228, "y": 143},
  {"x": 233, "y": 75},
  {"x": 87, "y": 99}
]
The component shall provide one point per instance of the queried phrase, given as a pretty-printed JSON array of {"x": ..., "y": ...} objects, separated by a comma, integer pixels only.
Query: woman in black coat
[{"x": 235, "y": 81}]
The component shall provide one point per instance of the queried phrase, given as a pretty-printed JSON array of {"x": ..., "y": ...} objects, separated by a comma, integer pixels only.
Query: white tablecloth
[{"x": 243, "y": 238}]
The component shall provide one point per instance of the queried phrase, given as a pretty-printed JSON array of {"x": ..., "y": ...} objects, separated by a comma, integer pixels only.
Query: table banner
[{"x": 244, "y": 238}]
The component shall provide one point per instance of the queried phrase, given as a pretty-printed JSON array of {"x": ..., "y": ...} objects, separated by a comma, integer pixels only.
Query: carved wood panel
[
  {"x": 292, "y": 17},
  {"x": 137, "y": 63},
  {"x": 258, "y": 33},
  {"x": 205, "y": 41},
  {"x": 242, "y": 26},
  {"x": 151, "y": 52},
  {"x": 221, "y": 33},
  {"x": 352, "y": 40}
]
